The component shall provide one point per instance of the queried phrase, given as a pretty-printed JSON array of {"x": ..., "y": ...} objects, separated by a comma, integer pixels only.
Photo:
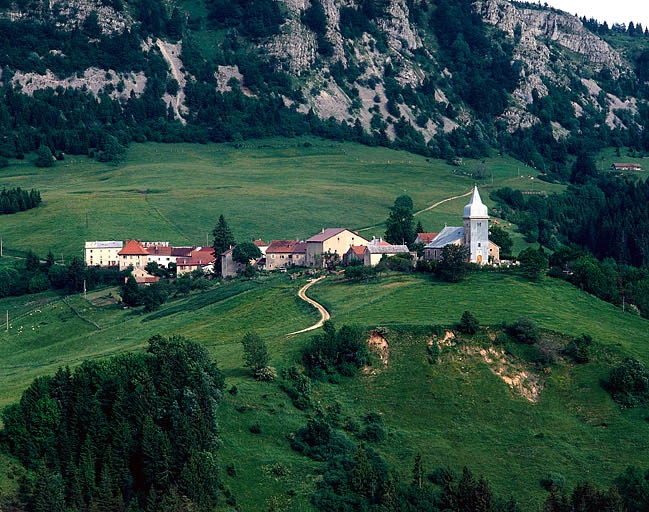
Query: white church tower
[{"x": 476, "y": 229}]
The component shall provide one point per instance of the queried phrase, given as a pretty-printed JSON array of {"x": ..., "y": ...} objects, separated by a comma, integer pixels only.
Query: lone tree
[
  {"x": 244, "y": 252},
  {"x": 400, "y": 227},
  {"x": 502, "y": 239},
  {"x": 255, "y": 353},
  {"x": 223, "y": 239},
  {"x": 533, "y": 263},
  {"x": 44, "y": 157},
  {"x": 452, "y": 266},
  {"x": 130, "y": 292}
]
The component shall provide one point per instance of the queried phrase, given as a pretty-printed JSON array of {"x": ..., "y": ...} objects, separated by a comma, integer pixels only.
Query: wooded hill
[{"x": 444, "y": 78}]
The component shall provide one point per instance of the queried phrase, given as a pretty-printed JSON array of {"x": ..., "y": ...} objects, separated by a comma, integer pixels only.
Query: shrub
[
  {"x": 266, "y": 374},
  {"x": 374, "y": 430},
  {"x": 553, "y": 481},
  {"x": 578, "y": 349},
  {"x": 255, "y": 428},
  {"x": 433, "y": 352},
  {"x": 628, "y": 383},
  {"x": 468, "y": 323},
  {"x": 524, "y": 330}
]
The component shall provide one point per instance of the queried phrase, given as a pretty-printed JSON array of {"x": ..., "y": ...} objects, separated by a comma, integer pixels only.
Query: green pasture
[
  {"x": 277, "y": 188},
  {"x": 454, "y": 413}
]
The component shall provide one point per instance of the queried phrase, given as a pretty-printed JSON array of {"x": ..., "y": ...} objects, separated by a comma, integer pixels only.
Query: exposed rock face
[
  {"x": 531, "y": 29},
  {"x": 69, "y": 14},
  {"x": 540, "y": 37},
  {"x": 94, "y": 80},
  {"x": 295, "y": 48}
]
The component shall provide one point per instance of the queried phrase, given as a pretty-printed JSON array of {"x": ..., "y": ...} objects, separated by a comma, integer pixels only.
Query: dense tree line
[
  {"x": 18, "y": 200},
  {"x": 135, "y": 432},
  {"x": 598, "y": 228},
  {"x": 36, "y": 276}
]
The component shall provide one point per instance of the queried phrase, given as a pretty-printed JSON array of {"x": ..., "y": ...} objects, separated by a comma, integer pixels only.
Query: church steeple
[
  {"x": 476, "y": 208},
  {"x": 476, "y": 228}
]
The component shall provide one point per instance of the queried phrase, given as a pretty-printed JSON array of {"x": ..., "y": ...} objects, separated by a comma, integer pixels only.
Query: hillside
[
  {"x": 301, "y": 184},
  {"x": 444, "y": 78},
  {"x": 454, "y": 413}
]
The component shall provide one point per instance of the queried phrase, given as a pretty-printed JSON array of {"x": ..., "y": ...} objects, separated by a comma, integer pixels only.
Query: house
[
  {"x": 133, "y": 254},
  {"x": 229, "y": 267},
  {"x": 285, "y": 253},
  {"x": 331, "y": 241},
  {"x": 200, "y": 258},
  {"x": 143, "y": 277},
  {"x": 375, "y": 252},
  {"x": 159, "y": 252},
  {"x": 425, "y": 238},
  {"x": 626, "y": 167},
  {"x": 354, "y": 253},
  {"x": 474, "y": 235},
  {"x": 103, "y": 253}
]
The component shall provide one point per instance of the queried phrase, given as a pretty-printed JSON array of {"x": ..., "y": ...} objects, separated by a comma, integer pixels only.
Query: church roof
[
  {"x": 475, "y": 208},
  {"x": 448, "y": 235}
]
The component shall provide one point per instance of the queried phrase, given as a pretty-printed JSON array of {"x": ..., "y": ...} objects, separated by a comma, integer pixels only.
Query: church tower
[{"x": 476, "y": 229}]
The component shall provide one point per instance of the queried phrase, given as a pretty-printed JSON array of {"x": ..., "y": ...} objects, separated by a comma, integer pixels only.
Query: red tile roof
[
  {"x": 133, "y": 248},
  {"x": 259, "y": 242},
  {"x": 282, "y": 246},
  {"x": 182, "y": 251},
  {"x": 358, "y": 250},
  {"x": 200, "y": 257},
  {"x": 159, "y": 250},
  {"x": 427, "y": 238}
]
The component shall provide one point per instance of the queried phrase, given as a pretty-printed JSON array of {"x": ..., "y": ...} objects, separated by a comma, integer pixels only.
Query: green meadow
[
  {"x": 453, "y": 413},
  {"x": 277, "y": 188}
]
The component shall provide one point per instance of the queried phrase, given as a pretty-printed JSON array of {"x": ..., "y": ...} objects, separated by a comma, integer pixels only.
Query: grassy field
[
  {"x": 454, "y": 413},
  {"x": 278, "y": 188}
]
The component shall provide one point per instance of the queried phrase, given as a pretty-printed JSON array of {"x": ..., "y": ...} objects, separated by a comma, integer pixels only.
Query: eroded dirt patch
[
  {"x": 378, "y": 344},
  {"x": 522, "y": 381}
]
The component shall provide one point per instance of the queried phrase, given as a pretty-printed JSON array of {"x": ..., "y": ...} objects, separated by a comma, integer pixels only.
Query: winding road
[{"x": 324, "y": 314}]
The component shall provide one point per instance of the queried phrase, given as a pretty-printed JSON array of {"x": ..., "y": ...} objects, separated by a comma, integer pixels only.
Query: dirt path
[
  {"x": 324, "y": 314},
  {"x": 443, "y": 201},
  {"x": 425, "y": 209}
]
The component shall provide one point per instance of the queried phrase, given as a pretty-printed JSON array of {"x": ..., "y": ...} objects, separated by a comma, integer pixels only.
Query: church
[{"x": 474, "y": 235}]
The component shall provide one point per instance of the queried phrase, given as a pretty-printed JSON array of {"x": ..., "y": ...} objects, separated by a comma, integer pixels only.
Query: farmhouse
[
  {"x": 354, "y": 253},
  {"x": 331, "y": 241},
  {"x": 375, "y": 252},
  {"x": 626, "y": 167},
  {"x": 103, "y": 253},
  {"x": 285, "y": 253},
  {"x": 200, "y": 258},
  {"x": 474, "y": 235}
]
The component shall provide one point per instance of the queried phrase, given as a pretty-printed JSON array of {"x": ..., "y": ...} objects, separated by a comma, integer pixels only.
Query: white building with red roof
[{"x": 133, "y": 254}]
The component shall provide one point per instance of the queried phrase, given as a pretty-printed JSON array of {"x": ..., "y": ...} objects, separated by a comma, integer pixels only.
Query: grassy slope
[
  {"x": 455, "y": 413},
  {"x": 273, "y": 189}
]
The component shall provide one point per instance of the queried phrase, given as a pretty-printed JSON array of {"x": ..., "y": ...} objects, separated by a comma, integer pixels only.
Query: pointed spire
[{"x": 476, "y": 207}]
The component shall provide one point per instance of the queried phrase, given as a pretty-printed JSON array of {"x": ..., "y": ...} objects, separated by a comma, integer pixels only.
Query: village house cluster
[{"x": 339, "y": 243}]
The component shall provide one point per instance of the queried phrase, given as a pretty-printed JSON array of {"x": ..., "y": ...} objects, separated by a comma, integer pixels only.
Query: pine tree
[{"x": 223, "y": 240}]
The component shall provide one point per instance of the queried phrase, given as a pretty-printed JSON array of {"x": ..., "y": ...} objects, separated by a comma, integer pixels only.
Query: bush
[
  {"x": 524, "y": 330},
  {"x": 553, "y": 481},
  {"x": 266, "y": 374},
  {"x": 468, "y": 323},
  {"x": 374, "y": 430},
  {"x": 628, "y": 383},
  {"x": 578, "y": 349},
  {"x": 331, "y": 352}
]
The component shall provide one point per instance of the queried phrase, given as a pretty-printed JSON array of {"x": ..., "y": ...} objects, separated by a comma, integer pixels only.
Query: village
[{"x": 338, "y": 244}]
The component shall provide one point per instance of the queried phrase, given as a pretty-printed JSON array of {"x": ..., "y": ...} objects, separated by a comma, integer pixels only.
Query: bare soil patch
[{"x": 378, "y": 344}]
